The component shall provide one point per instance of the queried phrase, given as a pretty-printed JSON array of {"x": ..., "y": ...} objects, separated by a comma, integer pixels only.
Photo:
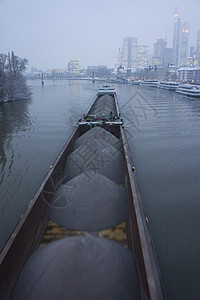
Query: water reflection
[
  {"x": 14, "y": 117},
  {"x": 74, "y": 87},
  {"x": 31, "y": 135}
]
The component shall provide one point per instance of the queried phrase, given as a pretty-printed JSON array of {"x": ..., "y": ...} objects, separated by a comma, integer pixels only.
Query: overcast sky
[{"x": 50, "y": 32}]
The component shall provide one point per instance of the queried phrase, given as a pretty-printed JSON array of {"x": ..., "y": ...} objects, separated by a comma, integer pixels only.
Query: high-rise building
[
  {"x": 184, "y": 46},
  {"x": 190, "y": 62},
  {"x": 167, "y": 57},
  {"x": 158, "y": 54},
  {"x": 142, "y": 56},
  {"x": 198, "y": 41},
  {"x": 180, "y": 41},
  {"x": 192, "y": 51},
  {"x": 193, "y": 59},
  {"x": 162, "y": 55},
  {"x": 134, "y": 56},
  {"x": 176, "y": 38},
  {"x": 159, "y": 47},
  {"x": 73, "y": 67},
  {"x": 129, "y": 52},
  {"x": 156, "y": 61},
  {"x": 198, "y": 47}
]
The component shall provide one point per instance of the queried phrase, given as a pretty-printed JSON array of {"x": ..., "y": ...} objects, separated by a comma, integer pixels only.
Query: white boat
[
  {"x": 168, "y": 85},
  {"x": 150, "y": 83},
  {"x": 135, "y": 82},
  {"x": 189, "y": 90},
  {"x": 112, "y": 80}
]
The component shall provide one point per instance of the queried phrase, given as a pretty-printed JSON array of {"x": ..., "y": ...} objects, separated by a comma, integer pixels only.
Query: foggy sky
[{"x": 50, "y": 32}]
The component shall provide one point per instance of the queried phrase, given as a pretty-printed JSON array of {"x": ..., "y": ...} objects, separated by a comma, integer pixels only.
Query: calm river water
[{"x": 164, "y": 136}]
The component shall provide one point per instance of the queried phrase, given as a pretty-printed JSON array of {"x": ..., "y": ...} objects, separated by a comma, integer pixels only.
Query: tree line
[{"x": 12, "y": 81}]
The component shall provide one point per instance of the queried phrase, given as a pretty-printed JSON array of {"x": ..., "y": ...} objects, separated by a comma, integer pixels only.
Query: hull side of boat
[
  {"x": 187, "y": 93},
  {"x": 27, "y": 234},
  {"x": 170, "y": 88}
]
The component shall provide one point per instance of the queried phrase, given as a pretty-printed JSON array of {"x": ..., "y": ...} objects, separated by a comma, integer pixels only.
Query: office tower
[
  {"x": 180, "y": 41},
  {"x": 193, "y": 60},
  {"x": 198, "y": 47},
  {"x": 142, "y": 56},
  {"x": 134, "y": 56},
  {"x": 129, "y": 52},
  {"x": 198, "y": 42},
  {"x": 158, "y": 54},
  {"x": 156, "y": 61},
  {"x": 167, "y": 57},
  {"x": 159, "y": 47},
  {"x": 176, "y": 38},
  {"x": 184, "y": 44},
  {"x": 73, "y": 67},
  {"x": 192, "y": 51},
  {"x": 190, "y": 62}
]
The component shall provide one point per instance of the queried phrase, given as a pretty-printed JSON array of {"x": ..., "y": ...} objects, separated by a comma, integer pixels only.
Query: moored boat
[
  {"x": 89, "y": 196},
  {"x": 168, "y": 85},
  {"x": 124, "y": 80},
  {"x": 189, "y": 90},
  {"x": 112, "y": 80},
  {"x": 149, "y": 83},
  {"x": 135, "y": 82}
]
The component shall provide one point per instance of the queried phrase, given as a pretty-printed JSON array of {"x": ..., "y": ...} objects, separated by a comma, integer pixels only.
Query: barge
[{"x": 85, "y": 234}]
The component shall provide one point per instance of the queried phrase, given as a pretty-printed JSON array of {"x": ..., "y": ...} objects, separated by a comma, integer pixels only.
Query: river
[{"x": 163, "y": 131}]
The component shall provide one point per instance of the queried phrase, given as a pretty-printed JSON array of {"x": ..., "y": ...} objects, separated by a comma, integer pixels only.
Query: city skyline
[{"x": 49, "y": 34}]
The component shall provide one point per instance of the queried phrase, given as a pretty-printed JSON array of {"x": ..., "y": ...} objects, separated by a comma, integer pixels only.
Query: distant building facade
[
  {"x": 167, "y": 57},
  {"x": 181, "y": 33},
  {"x": 156, "y": 61},
  {"x": 190, "y": 62},
  {"x": 198, "y": 48},
  {"x": 129, "y": 52},
  {"x": 73, "y": 68},
  {"x": 184, "y": 46},
  {"x": 133, "y": 56},
  {"x": 98, "y": 71},
  {"x": 57, "y": 73},
  {"x": 159, "y": 47},
  {"x": 190, "y": 75},
  {"x": 142, "y": 56},
  {"x": 162, "y": 55},
  {"x": 194, "y": 58}
]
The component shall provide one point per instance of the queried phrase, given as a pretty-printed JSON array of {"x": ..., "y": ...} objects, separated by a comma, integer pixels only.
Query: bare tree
[
  {"x": 12, "y": 82},
  {"x": 3, "y": 59}
]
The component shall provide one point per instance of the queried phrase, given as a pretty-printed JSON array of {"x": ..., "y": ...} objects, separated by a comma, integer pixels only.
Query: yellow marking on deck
[{"x": 120, "y": 233}]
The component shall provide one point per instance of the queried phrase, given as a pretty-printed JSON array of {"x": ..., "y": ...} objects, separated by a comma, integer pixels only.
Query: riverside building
[
  {"x": 73, "y": 68},
  {"x": 189, "y": 75}
]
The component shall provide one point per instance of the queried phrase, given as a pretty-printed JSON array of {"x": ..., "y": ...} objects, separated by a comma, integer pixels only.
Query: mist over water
[{"x": 163, "y": 132}]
